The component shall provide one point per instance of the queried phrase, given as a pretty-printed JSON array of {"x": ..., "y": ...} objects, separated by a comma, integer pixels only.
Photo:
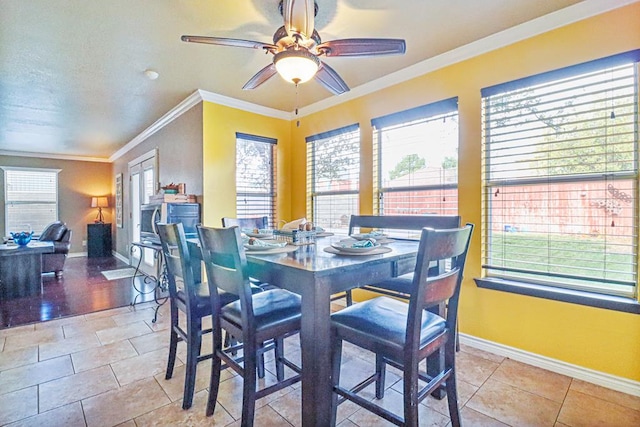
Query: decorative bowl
[{"x": 22, "y": 238}]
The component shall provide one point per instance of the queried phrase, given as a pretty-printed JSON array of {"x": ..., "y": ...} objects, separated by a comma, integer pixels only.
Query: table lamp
[{"x": 99, "y": 202}]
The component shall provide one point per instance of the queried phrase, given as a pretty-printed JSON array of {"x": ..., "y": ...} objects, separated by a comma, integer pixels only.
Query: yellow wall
[
  {"x": 602, "y": 340},
  {"x": 220, "y": 125}
]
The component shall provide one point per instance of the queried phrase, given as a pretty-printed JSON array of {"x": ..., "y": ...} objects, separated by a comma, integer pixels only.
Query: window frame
[
  {"x": 406, "y": 119},
  {"x": 272, "y": 194},
  {"x": 312, "y": 193},
  {"x": 557, "y": 287},
  {"x": 7, "y": 202}
]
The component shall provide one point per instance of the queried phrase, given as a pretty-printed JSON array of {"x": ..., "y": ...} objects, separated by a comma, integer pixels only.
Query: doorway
[{"x": 143, "y": 173}]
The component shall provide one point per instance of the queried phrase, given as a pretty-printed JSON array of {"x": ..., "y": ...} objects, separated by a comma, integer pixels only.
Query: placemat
[{"x": 376, "y": 251}]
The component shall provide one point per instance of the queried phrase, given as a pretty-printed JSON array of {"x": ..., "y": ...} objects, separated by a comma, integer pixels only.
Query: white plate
[
  {"x": 7, "y": 247},
  {"x": 364, "y": 236},
  {"x": 261, "y": 248},
  {"x": 350, "y": 249},
  {"x": 260, "y": 235}
]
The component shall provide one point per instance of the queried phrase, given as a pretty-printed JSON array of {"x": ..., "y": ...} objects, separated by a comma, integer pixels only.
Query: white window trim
[{"x": 19, "y": 168}]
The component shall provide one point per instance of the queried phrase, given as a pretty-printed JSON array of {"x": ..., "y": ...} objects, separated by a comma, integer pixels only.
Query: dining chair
[
  {"x": 188, "y": 296},
  {"x": 402, "y": 334},
  {"x": 255, "y": 319},
  {"x": 259, "y": 222},
  {"x": 399, "y": 287}
]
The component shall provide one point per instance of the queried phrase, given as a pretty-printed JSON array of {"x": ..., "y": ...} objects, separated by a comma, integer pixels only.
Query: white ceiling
[{"x": 72, "y": 79}]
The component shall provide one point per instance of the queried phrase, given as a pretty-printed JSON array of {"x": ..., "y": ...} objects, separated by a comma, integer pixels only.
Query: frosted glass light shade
[{"x": 296, "y": 66}]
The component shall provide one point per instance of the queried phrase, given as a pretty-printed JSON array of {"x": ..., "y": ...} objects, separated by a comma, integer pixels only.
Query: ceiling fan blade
[
  {"x": 362, "y": 47},
  {"x": 329, "y": 78},
  {"x": 260, "y": 77},
  {"x": 221, "y": 41},
  {"x": 299, "y": 17}
]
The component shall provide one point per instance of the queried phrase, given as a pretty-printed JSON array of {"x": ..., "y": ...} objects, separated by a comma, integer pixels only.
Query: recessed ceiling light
[{"x": 151, "y": 74}]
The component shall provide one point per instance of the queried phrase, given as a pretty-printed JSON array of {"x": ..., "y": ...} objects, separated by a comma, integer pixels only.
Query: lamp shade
[
  {"x": 296, "y": 65},
  {"x": 99, "y": 202}
]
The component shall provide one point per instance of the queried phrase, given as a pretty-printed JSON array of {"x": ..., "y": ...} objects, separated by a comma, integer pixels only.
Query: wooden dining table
[{"x": 316, "y": 275}]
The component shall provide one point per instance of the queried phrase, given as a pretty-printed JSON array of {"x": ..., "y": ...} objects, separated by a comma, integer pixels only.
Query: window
[
  {"x": 416, "y": 160},
  {"x": 31, "y": 198},
  {"x": 333, "y": 169},
  {"x": 561, "y": 170},
  {"x": 255, "y": 177}
]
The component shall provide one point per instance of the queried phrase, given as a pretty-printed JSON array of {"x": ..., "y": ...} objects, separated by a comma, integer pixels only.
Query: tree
[
  {"x": 253, "y": 166},
  {"x": 333, "y": 158},
  {"x": 577, "y": 134},
  {"x": 450, "y": 163},
  {"x": 409, "y": 163}
]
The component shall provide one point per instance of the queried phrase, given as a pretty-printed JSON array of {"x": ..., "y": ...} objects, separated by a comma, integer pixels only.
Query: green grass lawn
[{"x": 584, "y": 256}]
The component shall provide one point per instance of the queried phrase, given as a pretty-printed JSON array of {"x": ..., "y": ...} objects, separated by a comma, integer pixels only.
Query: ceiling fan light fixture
[{"x": 296, "y": 65}]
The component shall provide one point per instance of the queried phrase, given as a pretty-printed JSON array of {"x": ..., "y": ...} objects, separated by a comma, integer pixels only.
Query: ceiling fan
[{"x": 297, "y": 49}]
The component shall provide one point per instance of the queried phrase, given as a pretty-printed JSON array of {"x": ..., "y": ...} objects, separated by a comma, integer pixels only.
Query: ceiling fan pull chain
[{"x": 296, "y": 110}]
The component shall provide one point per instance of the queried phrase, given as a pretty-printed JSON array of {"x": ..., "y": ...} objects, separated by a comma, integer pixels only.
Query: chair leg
[
  {"x": 194, "y": 344},
  {"x": 349, "y": 297},
  {"x": 452, "y": 389},
  {"x": 260, "y": 365},
  {"x": 411, "y": 403},
  {"x": 336, "y": 360},
  {"x": 381, "y": 374},
  {"x": 452, "y": 399},
  {"x": 214, "y": 381},
  {"x": 457, "y": 336},
  {"x": 173, "y": 343},
  {"x": 249, "y": 386},
  {"x": 279, "y": 353}
]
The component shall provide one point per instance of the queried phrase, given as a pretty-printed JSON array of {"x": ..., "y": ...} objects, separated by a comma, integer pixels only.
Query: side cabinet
[{"x": 98, "y": 240}]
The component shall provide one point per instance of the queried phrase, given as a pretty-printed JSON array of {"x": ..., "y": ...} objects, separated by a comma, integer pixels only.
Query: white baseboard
[
  {"x": 76, "y": 254},
  {"x": 613, "y": 382},
  {"x": 121, "y": 257}
]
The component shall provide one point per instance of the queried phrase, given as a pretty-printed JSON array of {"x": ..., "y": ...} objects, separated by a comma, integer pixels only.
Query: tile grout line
[{"x": 84, "y": 416}]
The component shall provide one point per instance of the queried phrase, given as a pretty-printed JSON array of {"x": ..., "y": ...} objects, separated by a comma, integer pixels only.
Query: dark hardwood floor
[{"x": 82, "y": 289}]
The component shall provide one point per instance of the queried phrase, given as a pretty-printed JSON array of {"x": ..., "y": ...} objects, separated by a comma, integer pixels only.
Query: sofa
[{"x": 58, "y": 233}]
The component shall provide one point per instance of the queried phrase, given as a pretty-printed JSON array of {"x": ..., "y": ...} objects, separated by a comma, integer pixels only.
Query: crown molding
[
  {"x": 244, "y": 105},
  {"x": 543, "y": 24},
  {"x": 188, "y": 103},
  {"x": 192, "y": 100},
  {"x": 54, "y": 156}
]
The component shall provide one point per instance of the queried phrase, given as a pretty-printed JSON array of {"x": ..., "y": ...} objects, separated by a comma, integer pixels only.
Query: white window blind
[
  {"x": 255, "y": 177},
  {"x": 333, "y": 177},
  {"x": 416, "y": 160},
  {"x": 31, "y": 197},
  {"x": 561, "y": 170}
]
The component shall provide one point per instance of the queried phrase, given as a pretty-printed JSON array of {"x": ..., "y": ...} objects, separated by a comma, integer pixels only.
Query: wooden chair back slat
[
  {"x": 176, "y": 257},
  {"x": 226, "y": 263}
]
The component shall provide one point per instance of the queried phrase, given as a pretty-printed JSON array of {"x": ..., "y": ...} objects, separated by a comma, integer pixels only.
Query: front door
[{"x": 143, "y": 173}]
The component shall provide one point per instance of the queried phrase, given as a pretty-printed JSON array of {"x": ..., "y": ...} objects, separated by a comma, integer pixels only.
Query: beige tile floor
[{"x": 107, "y": 369}]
